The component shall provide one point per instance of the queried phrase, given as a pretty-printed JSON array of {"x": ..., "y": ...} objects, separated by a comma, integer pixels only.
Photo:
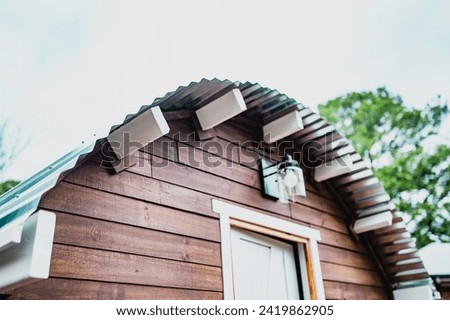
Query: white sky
[{"x": 71, "y": 69}]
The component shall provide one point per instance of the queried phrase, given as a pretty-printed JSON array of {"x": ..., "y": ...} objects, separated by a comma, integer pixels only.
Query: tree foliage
[
  {"x": 8, "y": 184},
  {"x": 8, "y": 150},
  {"x": 406, "y": 155}
]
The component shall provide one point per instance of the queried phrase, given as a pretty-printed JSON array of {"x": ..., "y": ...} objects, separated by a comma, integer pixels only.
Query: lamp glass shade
[{"x": 290, "y": 182}]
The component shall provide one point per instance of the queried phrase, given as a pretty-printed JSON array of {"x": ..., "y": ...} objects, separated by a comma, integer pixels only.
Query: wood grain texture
[
  {"x": 98, "y": 234},
  {"x": 163, "y": 147},
  {"x": 74, "y": 289},
  {"x": 140, "y": 187},
  {"x": 345, "y": 257},
  {"x": 184, "y": 133},
  {"x": 340, "y": 240},
  {"x": 347, "y": 291},
  {"x": 445, "y": 294},
  {"x": 107, "y": 266},
  {"x": 206, "y": 183},
  {"x": 340, "y": 273},
  {"x": 80, "y": 200},
  {"x": 219, "y": 166},
  {"x": 231, "y": 131},
  {"x": 314, "y": 201},
  {"x": 318, "y": 218}
]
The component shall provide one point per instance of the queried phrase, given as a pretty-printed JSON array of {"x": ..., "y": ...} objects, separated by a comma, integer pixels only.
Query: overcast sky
[{"x": 71, "y": 69}]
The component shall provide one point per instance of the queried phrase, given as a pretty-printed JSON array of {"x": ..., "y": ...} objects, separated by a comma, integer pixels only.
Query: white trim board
[
  {"x": 30, "y": 259},
  {"x": 138, "y": 132},
  {"x": 282, "y": 127},
  {"x": 223, "y": 108},
  {"x": 229, "y": 211},
  {"x": 261, "y": 219}
]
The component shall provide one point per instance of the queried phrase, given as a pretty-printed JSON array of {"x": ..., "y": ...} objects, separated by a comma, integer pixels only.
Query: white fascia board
[
  {"x": 374, "y": 222},
  {"x": 137, "y": 133},
  {"x": 223, "y": 108},
  {"x": 282, "y": 127},
  {"x": 333, "y": 168},
  {"x": 11, "y": 234},
  {"x": 30, "y": 259}
]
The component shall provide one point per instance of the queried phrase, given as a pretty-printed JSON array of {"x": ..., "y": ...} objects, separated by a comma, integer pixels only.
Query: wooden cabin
[{"x": 176, "y": 203}]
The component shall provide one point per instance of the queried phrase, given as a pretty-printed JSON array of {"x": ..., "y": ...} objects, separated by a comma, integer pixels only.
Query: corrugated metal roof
[
  {"x": 21, "y": 201},
  {"x": 360, "y": 190}
]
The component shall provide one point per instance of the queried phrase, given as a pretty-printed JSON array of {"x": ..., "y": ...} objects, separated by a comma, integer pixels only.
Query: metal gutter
[{"x": 19, "y": 203}]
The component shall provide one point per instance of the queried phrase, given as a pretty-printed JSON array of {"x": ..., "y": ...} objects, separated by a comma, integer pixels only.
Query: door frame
[{"x": 307, "y": 238}]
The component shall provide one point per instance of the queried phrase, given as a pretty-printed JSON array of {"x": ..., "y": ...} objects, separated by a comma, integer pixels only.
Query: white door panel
[{"x": 263, "y": 267}]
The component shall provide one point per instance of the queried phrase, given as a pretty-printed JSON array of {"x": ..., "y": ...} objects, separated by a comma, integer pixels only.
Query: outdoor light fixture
[{"x": 282, "y": 181}]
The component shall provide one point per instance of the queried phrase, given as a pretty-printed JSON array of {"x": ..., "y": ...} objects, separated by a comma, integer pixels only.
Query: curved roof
[{"x": 359, "y": 191}]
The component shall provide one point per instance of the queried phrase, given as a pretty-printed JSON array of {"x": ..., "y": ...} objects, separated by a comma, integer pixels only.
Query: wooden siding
[
  {"x": 149, "y": 232},
  {"x": 445, "y": 293}
]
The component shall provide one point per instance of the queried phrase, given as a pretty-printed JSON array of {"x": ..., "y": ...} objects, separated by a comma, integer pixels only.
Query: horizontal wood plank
[
  {"x": 339, "y": 240},
  {"x": 73, "y": 289},
  {"x": 80, "y": 200},
  {"x": 231, "y": 131},
  {"x": 100, "y": 265},
  {"x": 348, "y": 291},
  {"x": 206, "y": 183},
  {"x": 315, "y": 201},
  {"x": 340, "y": 273},
  {"x": 345, "y": 257},
  {"x": 184, "y": 133},
  {"x": 163, "y": 147},
  {"x": 98, "y": 234},
  {"x": 318, "y": 218},
  {"x": 218, "y": 157},
  {"x": 219, "y": 166},
  {"x": 140, "y": 187}
]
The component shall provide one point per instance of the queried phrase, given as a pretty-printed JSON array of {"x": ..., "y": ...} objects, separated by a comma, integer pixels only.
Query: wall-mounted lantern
[{"x": 282, "y": 181}]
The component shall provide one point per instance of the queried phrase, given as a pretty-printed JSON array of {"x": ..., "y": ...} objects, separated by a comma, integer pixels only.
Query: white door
[{"x": 263, "y": 267}]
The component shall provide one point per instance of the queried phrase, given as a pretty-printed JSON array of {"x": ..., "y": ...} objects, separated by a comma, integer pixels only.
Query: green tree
[
  {"x": 8, "y": 150},
  {"x": 8, "y": 184},
  {"x": 406, "y": 154}
]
